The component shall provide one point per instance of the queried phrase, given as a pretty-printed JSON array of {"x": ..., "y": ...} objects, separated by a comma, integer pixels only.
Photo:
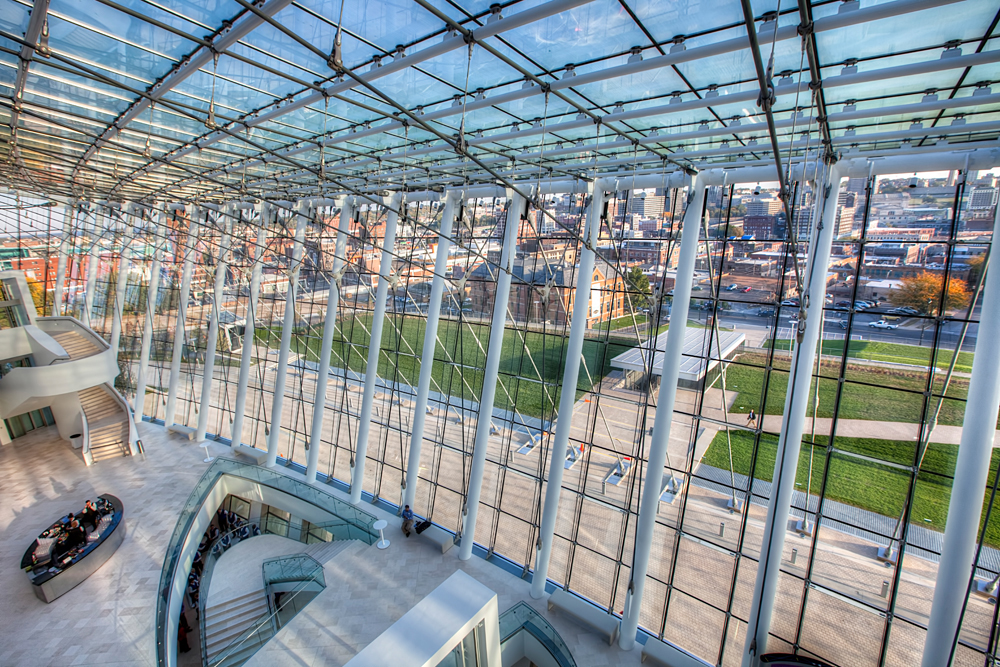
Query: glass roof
[{"x": 232, "y": 88}]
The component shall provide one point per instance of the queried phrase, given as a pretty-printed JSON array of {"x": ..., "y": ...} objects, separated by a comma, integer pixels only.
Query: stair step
[
  {"x": 244, "y": 653},
  {"x": 221, "y": 634}
]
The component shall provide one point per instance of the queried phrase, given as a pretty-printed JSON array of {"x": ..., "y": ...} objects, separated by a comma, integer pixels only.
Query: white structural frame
[
  {"x": 793, "y": 423},
  {"x": 57, "y": 294},
  {"x": 219, "y": 284},
  {"x": 512, "y": 223},
  {"x": 326, "y": 347},
  {"x": 394, "y": 203},
  {"x": 650, "y": 502},
  {"x": 250, "y": 325},
  {"x": 451, "y": 200},
  {"x": 957, "y": 569},
  {"x": 567, "y": 400},
  {"x": 288, "y": 323},
  {"x": 159, "y": 226},
  {"x": 190, "y": 243},
  {"x": 122, "y": 278}
]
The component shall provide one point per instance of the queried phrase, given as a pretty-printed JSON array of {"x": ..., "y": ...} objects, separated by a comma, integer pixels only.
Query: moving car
[
  {"x": 882, "y": 324},
  {"x": 765, "y": 312},
  {"x": 732, "y": 288},
  {"x": 790, "y": 302},
  {"x": 746, "y": 289},
  {"x": 843, "y": 324}
]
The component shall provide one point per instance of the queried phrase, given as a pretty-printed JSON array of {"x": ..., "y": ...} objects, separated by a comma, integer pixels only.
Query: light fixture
[
  {"x": 581, "y": 116},
  {"x": 399, "y": 53},
  {"x": 752, "y": 142},
  {"x": 958, "y": 120},
  {"x": 480, "y": 94},
  {"x": 456, "y": 101},
  {"x": 376, "y": 63},
  {"x": 655, "y": 132},
  {"x": 703, "y": 126},
  {"x": 675, "y": 97},
  {"x": 538, "y": 124},
  {"x": 850, "y": 105},
  {"x": 916, "y": 125},
  {"x": 930, "y": 95},
  {"x": 619, "y": 107},
  {"x": 982, "y": 88},
  {"x": 514, "y": 127},
  {"x": 495, "y": 14},
  {"x": 678, "y": 46},
  {"x": 952, "y": 49},
  {"x": 850, "y": 67},
  {"x": 848, "y": 6},
  {"x": 850, "y": 131},
  {"x": 636, "y": 56},
  {"x": 913, "y": 182},
  {"x": 570, "y": 71},
  {"x": 735, "y": 121},
  {"x": 713, "y": 90},
  {"x": 528, "y": 83},
  {"x": 786, "y": 78}
]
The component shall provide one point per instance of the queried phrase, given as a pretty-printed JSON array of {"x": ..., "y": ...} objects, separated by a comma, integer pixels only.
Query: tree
[
  {"x": 923, "y": 292},
  {"x": 638, "y": 287},
  {"x": 38, "y": 297},
  {"x": 976, "y": 268}
]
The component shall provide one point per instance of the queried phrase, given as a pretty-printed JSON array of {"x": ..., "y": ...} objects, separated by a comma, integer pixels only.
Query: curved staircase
[{"x": 107, "y": 424}]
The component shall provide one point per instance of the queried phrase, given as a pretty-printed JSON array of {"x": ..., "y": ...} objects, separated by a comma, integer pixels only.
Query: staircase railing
[
  {"x": 183, "y": 544},
  {"x": 521, "y": 617},
  {"x": 267, "y": 624}
]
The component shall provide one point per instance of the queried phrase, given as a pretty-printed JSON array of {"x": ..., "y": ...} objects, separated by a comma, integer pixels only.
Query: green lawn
[
  {"x": 891, "y": 352},
  {"x": 621, "y": 323},
  {"x": 880, "y": 400},
  {"x": 861, "y": 483},
  {"x": 459, "y": 357}
]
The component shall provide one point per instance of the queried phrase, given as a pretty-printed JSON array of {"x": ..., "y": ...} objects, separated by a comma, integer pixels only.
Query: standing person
[
  {"x": 407, "y": 520},
  {"x": 752, "y": 419}
]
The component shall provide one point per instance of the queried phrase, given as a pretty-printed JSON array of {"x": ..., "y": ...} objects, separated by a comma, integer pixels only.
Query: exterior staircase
[{"x": 107, "y": 424}]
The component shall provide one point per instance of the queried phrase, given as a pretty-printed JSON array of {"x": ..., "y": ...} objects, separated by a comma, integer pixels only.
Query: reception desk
[{"x": 54, "y": 576}]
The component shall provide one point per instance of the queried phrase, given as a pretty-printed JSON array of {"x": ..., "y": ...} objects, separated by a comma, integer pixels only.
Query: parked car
[
  {"x": 904, "y": 310},
  {"x": 861, "y": 305},
  {"x": 844, "y": 304},
  {"x": 790, "y": 302},
  {"x": 746, "y": 289},
  {"x": 765, "y": 312},
  {"x": 882, "y": 324},
  {"x": 732, "y": 288},
  {"x": 843, "y": 324}
]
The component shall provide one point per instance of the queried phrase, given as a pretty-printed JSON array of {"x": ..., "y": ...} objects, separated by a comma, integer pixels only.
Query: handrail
[
  {"x": 268, "y": 619},
  {"x": 179, "y": 540},
  {"x": 209, "y": 559},
  {"x": 522, "y": 617},
  {"x": 316, "y": 569}
]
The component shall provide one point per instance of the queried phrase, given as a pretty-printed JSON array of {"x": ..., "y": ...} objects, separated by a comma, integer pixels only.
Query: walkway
[{"x": 874, "y": 430}]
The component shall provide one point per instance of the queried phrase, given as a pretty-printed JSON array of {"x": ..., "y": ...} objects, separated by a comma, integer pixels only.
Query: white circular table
[{"x": 380, "y": 526}]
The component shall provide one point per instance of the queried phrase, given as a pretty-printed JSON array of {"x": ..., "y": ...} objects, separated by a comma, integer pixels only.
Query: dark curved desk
[{"x": 53, "y": 579}]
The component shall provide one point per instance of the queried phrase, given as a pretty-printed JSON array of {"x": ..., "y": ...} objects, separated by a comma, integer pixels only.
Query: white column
[
  {"x": 971, "y": 470},
  {"x": 491, "y": 373},
  {"x": 430, "y": 344},
  {"x": 152, "y": 290},
  {"x": 249, "y": 329},
  {"x": 191, "y": 241},
  {"x": 329, "y": 326},
  {"x": 793, "y": 423},
  {"x": 288, "y": 323},
  {"x": 57, "y": 296},
  {"x": 660, "y": 439},
  {"x": 219, "y": 286},
  {"x": 88, "y": 296},
  {"x": 122, "y": 282},
  {"x": 567, "y": 400},
  {"x": 374, "y": 346}
]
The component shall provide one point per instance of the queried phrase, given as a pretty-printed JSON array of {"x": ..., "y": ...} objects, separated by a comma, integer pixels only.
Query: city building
[{"x": 552, "y": 333}]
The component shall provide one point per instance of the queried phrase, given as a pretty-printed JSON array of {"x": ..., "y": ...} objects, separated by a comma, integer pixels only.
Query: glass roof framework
[
  {"x": 518, "y": 92},
  {"x": 164, "y": 102}
]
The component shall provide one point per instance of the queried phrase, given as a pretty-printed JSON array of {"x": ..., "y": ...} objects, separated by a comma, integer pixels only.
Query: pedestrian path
[{"x": 875, "y": 430}]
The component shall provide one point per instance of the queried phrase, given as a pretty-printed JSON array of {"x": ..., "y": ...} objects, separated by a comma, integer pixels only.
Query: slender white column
[
  {"x": 430, "y": 344},
  {"x": 971, "y": 469},
  {"x": 219, "y": 286},
  {"x": 567, "y": 400},
  {"x": 374, "y": 346},
  {"x": 249, "y": 329},
  {"x": 491, "y": 373},
  {"x": 329, "y": 326},
  {"x": 57, "y": 296},
  {"x": 194, "y": 217},
  {"x": 660, "y": 440},
  {"x": 288, "y": 323},
  {"x": 152, "y": 290},
  {"x": 121, "y": 283},
  {"x": 88, "y": 296},
  {"x": 793, "y": 423}
]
